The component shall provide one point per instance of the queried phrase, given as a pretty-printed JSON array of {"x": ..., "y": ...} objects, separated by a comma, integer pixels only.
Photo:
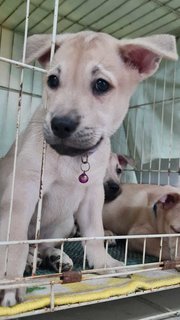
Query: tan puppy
[
  {"x": 145, "y": 209},
  {"x": 117, "y": 163},
  {"x": 85, "y": 99}
]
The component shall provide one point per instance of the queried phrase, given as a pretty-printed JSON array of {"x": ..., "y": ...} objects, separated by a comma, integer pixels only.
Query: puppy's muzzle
[
  {"x": 66, "y": 137},
  {"x": 64, "y": 127},
  {"x": 112, "y": 190}
]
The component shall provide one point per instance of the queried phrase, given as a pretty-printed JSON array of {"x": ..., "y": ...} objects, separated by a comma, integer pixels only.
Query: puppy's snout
[
  {"x": 63, "y": 127},
  {"x": 111, "y": 190},
  {"x": 113, "y": 186}
]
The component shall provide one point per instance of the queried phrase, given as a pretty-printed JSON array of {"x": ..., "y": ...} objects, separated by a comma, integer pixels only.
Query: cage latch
[
  {"x": 171, "y": 264},
  {"x": 71, "y": 276}
]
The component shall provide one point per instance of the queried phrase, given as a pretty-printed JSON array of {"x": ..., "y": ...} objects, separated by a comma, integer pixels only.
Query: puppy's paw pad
[
  {"x": 30, "y": 258},
  {"x": 54, "y": 261},
  {"x": 111, "y": 242}
]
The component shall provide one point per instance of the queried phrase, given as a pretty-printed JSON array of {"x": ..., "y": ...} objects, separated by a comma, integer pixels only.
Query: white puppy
[
  {"x": 86, "y": 97},
  {"x": 112, "y": 189},
  {"x": 117, "y": 163}
]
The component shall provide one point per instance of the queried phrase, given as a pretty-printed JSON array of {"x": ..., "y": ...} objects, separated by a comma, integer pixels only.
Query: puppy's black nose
[
  {"x": 112, "y": 190},
  {"x": 63, "y": 127},
  {"x": 113, "y": 186}
]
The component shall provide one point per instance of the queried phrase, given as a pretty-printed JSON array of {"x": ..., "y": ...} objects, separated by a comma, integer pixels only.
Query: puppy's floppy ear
[
  {"x": 125, "y": 160},
  {"x": 169, "y": 200},
  {"x": 145, "y": 54},
  {"x": 39, "y": 47}
]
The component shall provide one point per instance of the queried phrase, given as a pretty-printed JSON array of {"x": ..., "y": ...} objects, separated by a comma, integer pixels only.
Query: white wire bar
[
  {"x": 17, "y": 133},
  {"x": 39, "y": 209},
  {"x": 122, "y": 237},
  {"x": 144, "y": 251},
  {"x": 162, "y": 119},
  {"x": 84, "y": 255},
  {"x": 172, "y": 122},
  {"x": 152, "y": 131},
  {"x": 135, "y": 135},
  {"x": 22, "y": 64},
  {"x": 176, "y": 247},
  {"x": 47, "y": 279},
  {"x": 142, "y": 153},
  {"x": 161, "y": 248},
  {"x": 126, "y": 252},
  {"x": 61, "y": 257}
]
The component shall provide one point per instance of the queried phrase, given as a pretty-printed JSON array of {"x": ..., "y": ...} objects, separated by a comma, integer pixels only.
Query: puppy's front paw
[
  {"x": 111, "y": 242},
  {"x": 11, "y": 297},
  {"x": 29, "y": 263},
  {"x": 53, "y": 260},
  {"x": 113, "y": 263}
]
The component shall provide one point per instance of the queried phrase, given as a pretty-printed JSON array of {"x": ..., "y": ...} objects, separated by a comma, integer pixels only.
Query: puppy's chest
[{"x": 64, "y": 172}]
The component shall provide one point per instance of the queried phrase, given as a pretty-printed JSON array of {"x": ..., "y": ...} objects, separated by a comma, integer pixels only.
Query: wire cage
[{"x": 149, "y": 134}]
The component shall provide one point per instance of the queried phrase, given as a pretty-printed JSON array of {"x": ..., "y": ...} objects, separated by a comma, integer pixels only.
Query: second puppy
[{"x": 144, "y": 209}]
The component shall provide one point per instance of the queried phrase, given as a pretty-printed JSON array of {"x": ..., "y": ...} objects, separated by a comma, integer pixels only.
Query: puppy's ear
[
  {"x": 39, "y": 47},
  {"x": 125, "y": 160},
  {"x": 169, "y": 200},
  {"x": 145, "y": 54}
]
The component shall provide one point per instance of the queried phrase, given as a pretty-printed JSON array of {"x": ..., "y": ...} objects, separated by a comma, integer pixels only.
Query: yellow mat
[{"x": 89, "y": 290}]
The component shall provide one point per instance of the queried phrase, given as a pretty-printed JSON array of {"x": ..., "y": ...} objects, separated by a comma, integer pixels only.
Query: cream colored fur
[
  {"x": 80, "y": 59},
  {"x": 132, "y": 213}
]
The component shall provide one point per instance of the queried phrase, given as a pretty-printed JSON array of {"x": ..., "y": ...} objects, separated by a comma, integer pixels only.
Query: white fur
[{"x": 100, "y": 116}]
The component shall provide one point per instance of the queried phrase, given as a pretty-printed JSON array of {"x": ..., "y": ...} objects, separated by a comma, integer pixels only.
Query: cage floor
[
  {"x": 75, "y": 252},
  {"x": 93, "y": 288}
]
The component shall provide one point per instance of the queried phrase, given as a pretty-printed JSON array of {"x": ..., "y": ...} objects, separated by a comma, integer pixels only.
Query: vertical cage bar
[
  {"x": 142, "y": 153},
  {"x": 39, "y": 210},
  {"x": 172, "y": 123},
  {"x": 176, "y": 247},
  {"x": 161, "y": 249},
  {"x": 127, "y": 133},
  {"x": 54, "y": 32},
  {"x": 18, "y": 119},
  {"x": 126, "y": 252},
  {"x": 162, "y": 120},
  {"x": 135, "y": 136},
  {"x": 61, "y": 257},
  {"x": 152, "y": 131},
  {"x": 144, "y": 251},
  {"x": 52, "y": 296},
  {"x": 84, "y": 255}
]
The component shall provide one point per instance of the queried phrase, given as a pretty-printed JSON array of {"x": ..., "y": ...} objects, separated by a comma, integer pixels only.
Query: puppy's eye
[
  {"x": 118, "y": 171},
  {"x": 53, "y": 81},
  {"x": 101, "y": 86}
]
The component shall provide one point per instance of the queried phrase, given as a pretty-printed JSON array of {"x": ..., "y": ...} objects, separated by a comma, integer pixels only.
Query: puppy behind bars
[
  {"x": 86, "y": 96},
  {"x": 141, "y": 209}
]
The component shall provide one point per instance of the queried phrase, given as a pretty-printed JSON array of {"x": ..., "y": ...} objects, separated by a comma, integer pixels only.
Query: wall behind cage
[
  {"x": 11, "y": 45},
  {"x": 150, "y": 133}
]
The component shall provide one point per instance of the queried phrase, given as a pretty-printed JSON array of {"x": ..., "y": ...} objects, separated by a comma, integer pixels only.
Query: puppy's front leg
[
  {"x": 25, "y": 199},
  {"x": 89, "y": 218}
]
